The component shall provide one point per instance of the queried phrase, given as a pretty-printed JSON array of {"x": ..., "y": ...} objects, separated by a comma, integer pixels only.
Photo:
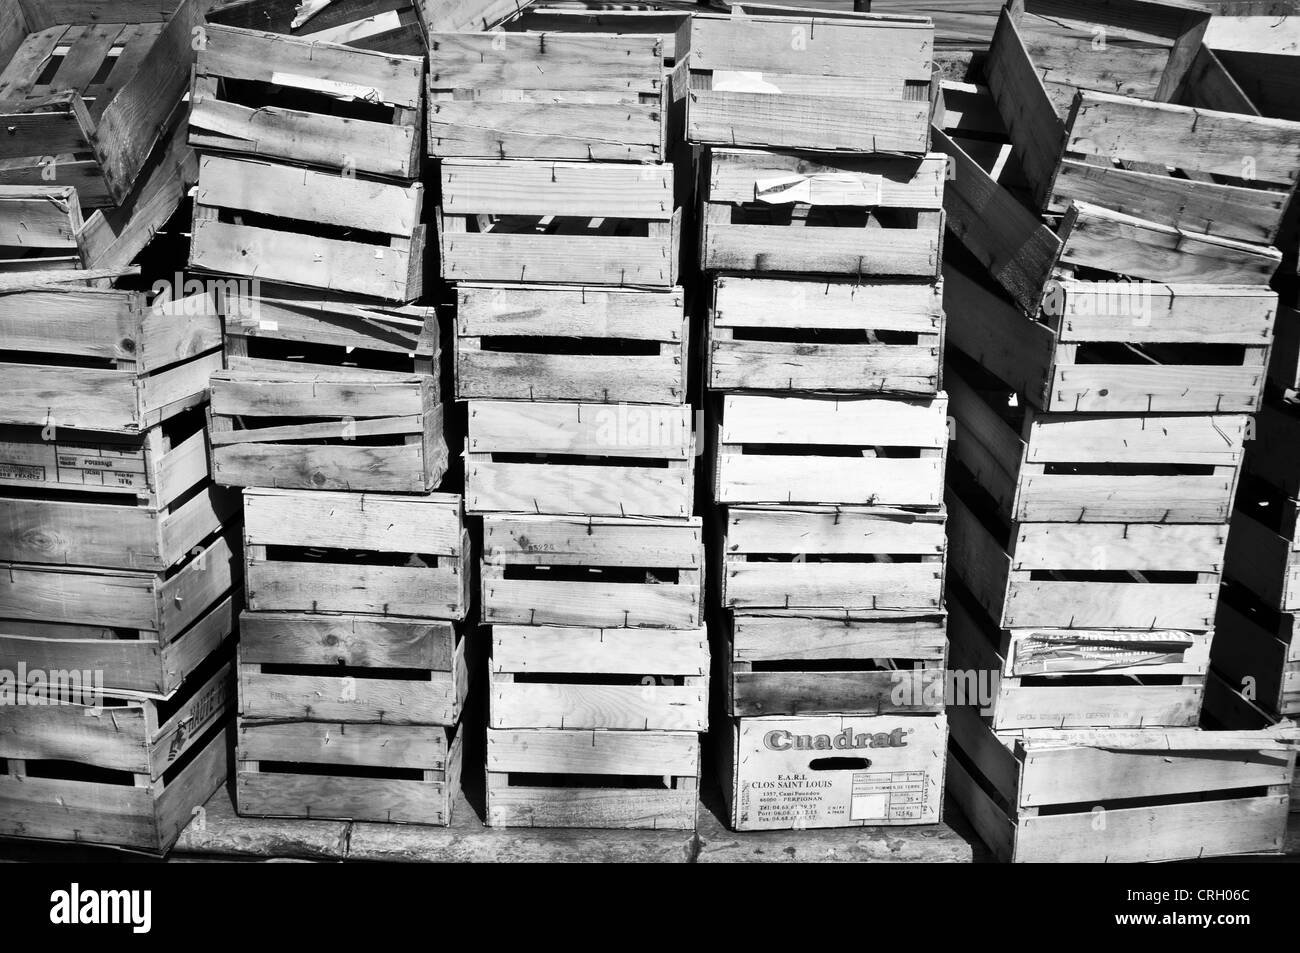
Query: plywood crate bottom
[
  {"x": 552, "y": 777},
  {"x": 871, "y": 663},
  {"x": 784, "y": 773},
  {"x": 400, "y": 774},
  {"x": 1095, "y": 796},
  {"x": 53, "y": 800}
]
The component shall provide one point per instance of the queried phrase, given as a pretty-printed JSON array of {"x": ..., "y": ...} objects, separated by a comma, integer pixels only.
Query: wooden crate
[
  {"x": 41, "y": 228},
  {"x": 1226, "y": 709},
  {"x": 791, "y": 773},
  {"x": 399, "y": 422},
  {"x": 860, "y": 558},
  {"x": 1257, "y": 651},
  {"x": 562, "y": 777},
  {"x": 1069, "y": 796},
  {"x": 557, "y": 92},
  {"x": 156, "y": 467},
  {"x": 851, "y": 450},
  {"x": 1176, "y": 166},
  {"x": 139, "y": 737},
  {"x": 285, "y": 224},
  {"x": 529, "y": 342},
  {"x": 1120, "y": 347},
  {"x": 145, "y": 630},
  {"x": 1146, "y": 51},
  {"x": 600, "y": 223},
  {"x": 594, "y": 571},
  {"x": 1087, "y": 575},
  {"x": 297, "y": 666},
  {"x": 357, "y": 553},
  {"x": 574, "y": 458},
  {"x": 323, "y": 392},
  {"x": 598, "y": 678},
  {"x": 868, "y": 663},
  {"x": 825, "y": 215},
  {"x": 104, "y": 360},
  {"x": 308, "y": 102},
  {"x": 1096, "y": 468},
  {"x": 395, "y": 774},
  {"x": 49, "y": 801},
  {"x": 88, "y": 101},
  {"x": 111, "y": 532},
  {"x": 1073, "y": 678},
  {"x": 829, "y": 81},
  {"x": 773, "y": 335}
]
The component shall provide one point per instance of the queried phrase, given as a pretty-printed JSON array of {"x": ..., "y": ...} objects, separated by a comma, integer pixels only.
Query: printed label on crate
[
  {"x": 1081, "y": 652},
  {"x": 829, "y": 771},
  {"x": 80, "y": 464}
]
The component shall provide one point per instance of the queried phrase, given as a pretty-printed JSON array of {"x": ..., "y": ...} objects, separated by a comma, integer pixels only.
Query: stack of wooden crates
[
  {"x": 562, "y": 199},
  {"x": 1102, "y": 378},
  {"x": 119, "y": 560},
  {"x": 821, "y": 234},
  {"x": 352, "y": 671}
]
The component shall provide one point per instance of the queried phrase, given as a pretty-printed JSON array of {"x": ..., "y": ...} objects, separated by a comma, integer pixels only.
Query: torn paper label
[
  {"x": 740, "y": 81},
  {"x": 1042, "y": 653},
  {"x": 330, "y": 87},
  {"x": 822, "y": 188}
]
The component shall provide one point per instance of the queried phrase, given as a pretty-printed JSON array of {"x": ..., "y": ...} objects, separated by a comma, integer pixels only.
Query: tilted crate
[
  {"x": 593, "y": 571},
  {"x": 1121, "y": 347},
  {"x": 307, "y": 101},
  {"x": 345, "y": 716},
  {"x": 87, "y": 100},
  {"x": 328, "y": 393},
  {"x": 609, "y": 95},
  {"x": 851, "y": 662},
  {"x": 600, "y": 223},
  {"x": 827, "y": 81},
  {"x": 1078, "y": 677},
  {"x": 795, "y": 773},
  {"x": 359, "y": 553},
  {"x": 145, "y": 630},
  {"x": 595, "y": 459},
  {"x": 109, "y": 360},
  {"x": 284, "y": 224},
  {"x": 1177, "y": 166},
  {"x": 826, "y": 336},
  {"x": 126, "y": 773},
  {"x": 1090, "y": 575},
  {"x": 529, "y": 342},
  {"x": 824, "y": 215},
  {"x": 832, "y": 557},
  {"x": 874, "y": 451},
  {"x": 1070, "y": 795},
  {"x": 1099, "y": 468}
]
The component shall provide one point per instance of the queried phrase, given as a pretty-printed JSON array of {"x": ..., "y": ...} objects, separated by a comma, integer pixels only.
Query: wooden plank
[
  {"x": 345, "y": 744},
  {"x": 1037, "y": 132},
  {"x": 566, "y": 541},
  {"x": 539, "y": 649},
  {"x": 1122, "y": 244},
  {"x": 533, "y": 751},
  {"x": 805, "y": 122},
  {"x": 352, "y": 699},
  {"x": 621, "y": 707},
  {"x": 1018, "y": 251},
  {"x": 590, "y": 189},
  {"x": 381, "y": 523},
  {"x": 653, "y": 432},
  {"x": 299, "y": 638}
]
